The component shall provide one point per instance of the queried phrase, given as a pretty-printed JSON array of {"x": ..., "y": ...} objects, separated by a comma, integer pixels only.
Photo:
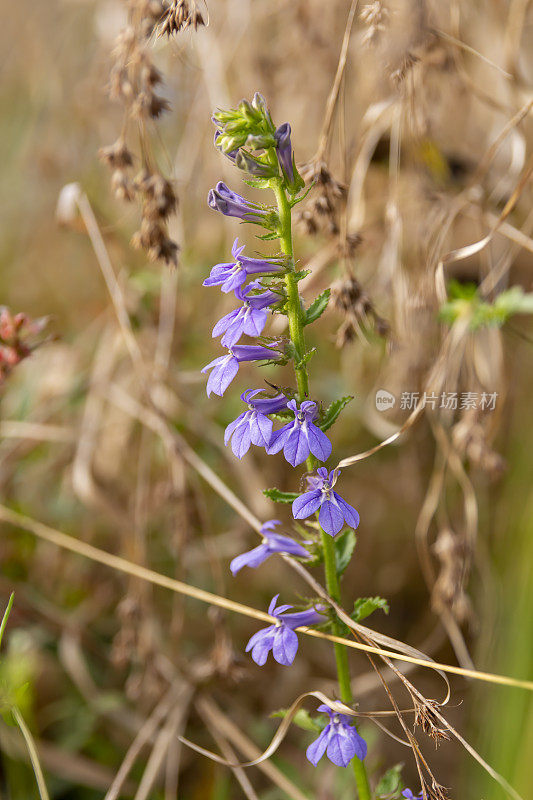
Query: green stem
[{"x": 296, "y": 330}]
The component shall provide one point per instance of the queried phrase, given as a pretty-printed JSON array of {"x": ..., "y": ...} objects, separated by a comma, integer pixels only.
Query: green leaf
[
  {"x": 390, "y": 782},
  {"x": 6, "y": 616},
  {"x": 317, "y": 307},
  {"x": 305, "y": 358},
  {"x": 301, "y": 274},
  {"x": 280, "y": 497},
  {"x": 344, "y": 547},
  {"x": 364, "y": 606},
  {"x": 333, "y": 411},
  {"x": 258, "y": 183},
  {"x": 302, "y": 718}
]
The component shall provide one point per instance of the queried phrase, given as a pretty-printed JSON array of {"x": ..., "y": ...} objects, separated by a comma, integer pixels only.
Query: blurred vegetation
[{"x": 99, "y": 651}]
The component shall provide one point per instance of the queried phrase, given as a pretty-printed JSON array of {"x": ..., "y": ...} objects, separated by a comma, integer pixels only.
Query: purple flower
[
  {"x": 286, "y": 157},
  {"x": 300, "y": 437},
  {"x": 232, "y": 204},
  {"x": 253, "y": 426},
  {"x": 407, "y": 793},
  {"x": 334, "y": 511},
  {"x": 339, "y": 740},
  {"x": 272, "y": 543},
  {"x": 281, "y": 638},
  {"x": 226, "y": 367},
  {"x": 229, "y": 276},
  {"x": 250, "y": 318}
]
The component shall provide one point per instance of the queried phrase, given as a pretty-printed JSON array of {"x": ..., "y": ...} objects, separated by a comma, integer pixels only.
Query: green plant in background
[
  {"x": 13, "y": 698},
  {"x": 466, "y": 302}
]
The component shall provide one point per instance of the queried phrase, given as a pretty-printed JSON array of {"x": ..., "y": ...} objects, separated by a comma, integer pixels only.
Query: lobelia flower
[
  {"x": 300, "y": 437},
  {"x": 407, "y": 793},
  {"x": 339, "y": 740},
  {"x": 226, "y": 367},
  {"x": 286, "y": 157},
  {"x": 250, "y": 318},
  {"x": 281, "y": 637},
  {"x": 334, "y": 511},
  {"x": 232, "y": 204},
  {"x": 230, "y": 275},
  {"x": 253, "y": 426},
  {"x": 272, "y": 543}
]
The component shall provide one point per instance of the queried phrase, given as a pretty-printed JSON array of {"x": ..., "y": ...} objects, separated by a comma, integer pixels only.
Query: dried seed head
[
  {"x": 374, "y": 15},
  {"x": 179, "y": 15},
  {"x": 322, "y": 210},
  {"x": 161, "y": 200},
  {"x": 471, "y": 439},
  {"x": 407, "y": 63},
  {"x": 122, "y": 186},
  {"x": 148, "y": 104},
  {"x": 425, "y": 717},
  {"x": 449, "y": 590},
  {"x": 116, "y": 155},
  {"x": 357, "y": 310}
]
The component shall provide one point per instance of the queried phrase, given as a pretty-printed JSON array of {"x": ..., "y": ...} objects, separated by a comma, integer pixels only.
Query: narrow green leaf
[
  {"x": 301, "y": 274},
  {"x": 280, "y": 497},
  {"x": 344, "y": 547},
  {"x": 364, "y": 606},
  {"x": 302, "y": 718},
  {"x": 317, "y": 307},
  {"x": 333, "y": 411}
]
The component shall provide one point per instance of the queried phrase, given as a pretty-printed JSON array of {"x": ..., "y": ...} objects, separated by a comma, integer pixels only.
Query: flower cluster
[{"x": 261, "y": 286}]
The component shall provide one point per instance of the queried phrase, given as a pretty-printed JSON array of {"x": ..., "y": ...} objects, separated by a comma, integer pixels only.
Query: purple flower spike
[
  {"x": 231, "y": 275},
  {"x": 407, "y": 793},
  {"x": 250, "y": 318},
  {"x": 253, "y": 426},
  {"x": 299, "y": 438},
  {"x": 272, "y": 543},
  {"x": 281, "y": 638},
  {"x": 339, "y": 740},
  {"x": 286, "y": 157},
  {"x": 224, "y": 368},
  {"x": 334, "y": 511},
  {"x": 232, "y": 204}
]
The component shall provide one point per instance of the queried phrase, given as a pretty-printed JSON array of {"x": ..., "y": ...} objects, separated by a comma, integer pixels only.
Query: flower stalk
[{"x": 296, "y": 332}]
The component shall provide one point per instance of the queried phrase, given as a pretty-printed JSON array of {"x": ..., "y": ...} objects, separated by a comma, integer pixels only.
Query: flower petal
[
  {"x": 350, "y": 514},
  {"x": 331, "y": 518},
  {"x": 221, "y": 376},
  {"x": 260, "y": 429},
  {"x": 285, "y": 645},
  {"x": 319, "y": 444},
  {"x": 253, "y": 558},
  {"x": 296, "y": 447},
  {"x": 279, "y": 438},
  {"x": 241, "y": 441},
  {"x": 306, "y": 504},
  {"x": 316, "y": 749},
  {"x": 341, "y": 747}
]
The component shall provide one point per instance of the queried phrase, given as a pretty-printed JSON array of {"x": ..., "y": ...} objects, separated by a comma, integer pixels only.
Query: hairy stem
[{"x": 296, "y": 331}]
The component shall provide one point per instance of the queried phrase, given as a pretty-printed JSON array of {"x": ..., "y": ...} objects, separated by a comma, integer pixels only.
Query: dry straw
[{"x": 123, "y": 565}]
